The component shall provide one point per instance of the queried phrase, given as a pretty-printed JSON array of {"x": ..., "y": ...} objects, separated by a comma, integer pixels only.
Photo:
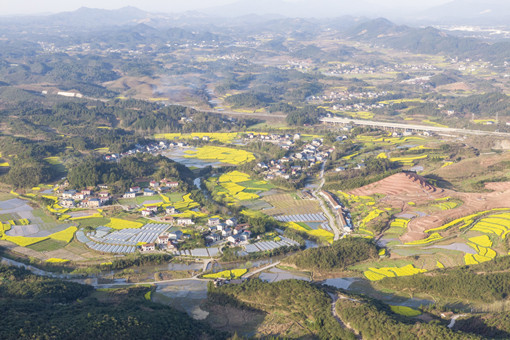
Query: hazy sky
[{"x": 9, "y": 7}]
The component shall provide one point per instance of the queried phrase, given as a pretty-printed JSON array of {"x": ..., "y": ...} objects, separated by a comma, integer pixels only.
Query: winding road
[{"x": 335, "y": 298}]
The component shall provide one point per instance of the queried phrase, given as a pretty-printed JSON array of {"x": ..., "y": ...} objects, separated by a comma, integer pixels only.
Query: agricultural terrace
[
  {"x": 222, "y": 154},
  {"x": 23, "y": 241},
  {"x": 317, "y": 233},
  {"x": 376, "y": 274},
  {"x": 119, "y": 224},
  {"x": 227, "y": 274},
  {"x": 290, "y": 204},
  {"x": 237, "y": 186},
  {"x": 366, "y": 215}
]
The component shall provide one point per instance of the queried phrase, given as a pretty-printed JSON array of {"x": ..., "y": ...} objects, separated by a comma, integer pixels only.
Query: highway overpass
[{"x": 411, "y": 127}]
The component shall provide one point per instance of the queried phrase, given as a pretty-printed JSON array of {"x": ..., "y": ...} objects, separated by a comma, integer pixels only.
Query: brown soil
[
  {"x": 407, "y": 187},
  {"x": 460, "y": 86}
]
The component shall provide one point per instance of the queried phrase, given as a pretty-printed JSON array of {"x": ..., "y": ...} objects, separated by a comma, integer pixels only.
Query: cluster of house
[
  {"x": 346, "y": 95},
  {"x": 150, "y": 148},
  {"x": 293, "y": 166},
  {"x": 166, "y": 241},
  {"x": 154, "y": 188},
  {"x": 218, "y": 230},
  {"x": 152, "y": 210},
  {"x": 84, "y": 199},
  {"x": 228, "y": 230},
  {"x": 285, "y": 141}
]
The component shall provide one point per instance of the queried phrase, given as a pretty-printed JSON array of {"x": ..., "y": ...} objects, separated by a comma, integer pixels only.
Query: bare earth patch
[{"x": 407, "y": 187}]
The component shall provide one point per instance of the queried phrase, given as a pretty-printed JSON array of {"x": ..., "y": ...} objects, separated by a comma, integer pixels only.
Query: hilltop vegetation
[
  {"x": 296, "y": 301},
  {"x": 487, "y": 282},
  {"x": 49, "y": 308},
  {"x": 375, "y": 320},
  {"x": 338, "y": 256},
  {"x": 121, "y": 175}
]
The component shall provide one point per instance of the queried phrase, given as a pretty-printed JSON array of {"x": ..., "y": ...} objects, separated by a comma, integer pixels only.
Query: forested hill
[
  {"x": 42, "y": 308},
  {"x": 426, "y": 40}
]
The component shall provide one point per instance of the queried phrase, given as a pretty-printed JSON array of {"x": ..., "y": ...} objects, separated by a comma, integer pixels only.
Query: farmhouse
[
  {"x": 213, "y": 221},
  {"x": 148, "y": 192},
  {"x": 184, "y": 221},
  {"x": 162, "y": 239},
  {"x": 104, "y": 194},
  {"x": 67, "y": 203},
  {"x": 226, "y": 232},
  {"x": 213, "y": 237},
  {"x": 68, "y": 193},
  {"x": 131, "y": 194},
  {"x": 175, "y": 235},
  {"x": 148, "y": 247},
  {"x": 231, "y": 222},
  {"x": 172, "y": 184},
  {"x": 93, "y": 203}
]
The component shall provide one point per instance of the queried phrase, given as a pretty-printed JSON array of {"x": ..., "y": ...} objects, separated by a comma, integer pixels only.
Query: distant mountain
[
  {"x": 469, "y": 12},
  {"x": 93, "y": 17},
  {"x": 86, "y": 18},
  {"x": 425, "y": 40},
  {"x": 303, "y": 9}
]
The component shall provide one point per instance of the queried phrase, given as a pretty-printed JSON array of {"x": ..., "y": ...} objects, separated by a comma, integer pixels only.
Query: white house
[
  {"x": 213, "y": 237},
  {"x": 129, "y": 195},
  {"x": 175, "y": 235},
  {"x": 213, "y": 221},
  {"x": 185, "y": 221},
  {"x": 162, "y": 239},
  {"x": 148, "y": 247},
  {"x": 231, "y": 222}
]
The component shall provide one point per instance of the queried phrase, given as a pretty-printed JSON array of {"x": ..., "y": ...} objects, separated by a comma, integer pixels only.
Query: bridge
[{"x": 411, "y": 127}]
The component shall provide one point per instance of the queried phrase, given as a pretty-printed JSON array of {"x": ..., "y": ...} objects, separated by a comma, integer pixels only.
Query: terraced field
[{"x": 287, "y": 204}]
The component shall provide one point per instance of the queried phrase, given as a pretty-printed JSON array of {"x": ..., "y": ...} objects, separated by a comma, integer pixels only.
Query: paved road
[
  {"x": 338, "y": 120},
  {"x": 331, "y": 219},
  {"x": 261, "y": 269}
]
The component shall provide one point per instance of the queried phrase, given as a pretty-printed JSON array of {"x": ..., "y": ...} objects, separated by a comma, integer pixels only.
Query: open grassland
[{"x": 405, "y": 311}]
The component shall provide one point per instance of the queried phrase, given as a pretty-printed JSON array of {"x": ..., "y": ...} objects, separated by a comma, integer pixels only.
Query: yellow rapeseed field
[
  {"x": 64, "y": 235},
  {"x": 117, "y": 223}
]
